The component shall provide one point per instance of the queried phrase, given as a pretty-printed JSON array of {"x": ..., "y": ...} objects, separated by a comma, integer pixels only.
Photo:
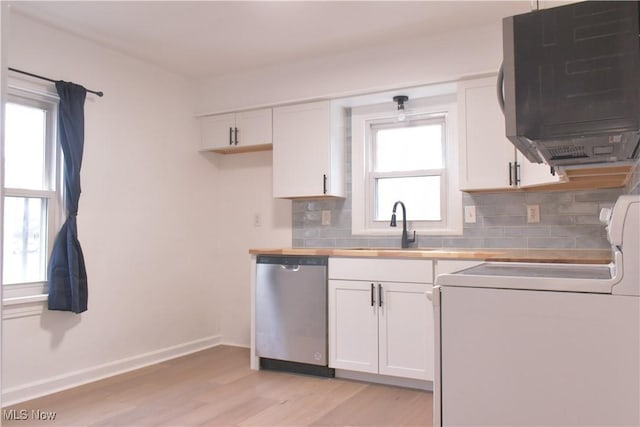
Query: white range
[{"x": 521, "y": 344}]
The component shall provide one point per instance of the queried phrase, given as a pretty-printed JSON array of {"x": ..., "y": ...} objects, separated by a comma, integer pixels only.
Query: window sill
[
  {"x": 24, "y": 300},
  {"x": 32, "y": 305}
]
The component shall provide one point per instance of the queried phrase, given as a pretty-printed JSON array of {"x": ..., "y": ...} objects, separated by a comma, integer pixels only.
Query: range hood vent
[
  {"x": 572, "y": 82},
  {"x": 567, "y": 152},
  {"x": 590, "y": 149}
]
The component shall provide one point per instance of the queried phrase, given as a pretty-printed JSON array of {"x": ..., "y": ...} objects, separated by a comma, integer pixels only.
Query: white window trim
[
  {"x": 27, "y": 298},
  {"x": 361, "y": 118}
]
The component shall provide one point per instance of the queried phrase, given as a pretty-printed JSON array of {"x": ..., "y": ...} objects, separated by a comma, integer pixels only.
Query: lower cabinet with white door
[{"x": 380, "y": 317}]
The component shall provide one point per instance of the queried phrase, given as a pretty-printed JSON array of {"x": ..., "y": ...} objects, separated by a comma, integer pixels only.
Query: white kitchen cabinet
[
  {"x": 405, "y": 331},
  {"x": 353, "y": 326},
  {"x": 377, "y": 325},
  {"x": 488, "y": 160},
  {"x": 308, "y": 150},
  {"x": 237, "y": 132},
  {"x": 534, "y": 174}
]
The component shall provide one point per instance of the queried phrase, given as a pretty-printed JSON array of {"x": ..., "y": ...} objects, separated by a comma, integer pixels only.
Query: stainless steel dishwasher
[{"x": 291, "y": 314}]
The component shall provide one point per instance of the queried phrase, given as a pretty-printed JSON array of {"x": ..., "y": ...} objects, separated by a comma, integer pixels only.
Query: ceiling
[{"x": 201, "y": 39}]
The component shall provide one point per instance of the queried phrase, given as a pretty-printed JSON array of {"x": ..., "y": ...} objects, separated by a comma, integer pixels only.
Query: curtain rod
[{"x": 48, "y": 79}]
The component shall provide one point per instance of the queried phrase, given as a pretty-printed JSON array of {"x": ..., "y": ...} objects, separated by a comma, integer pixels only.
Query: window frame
[
  {"x": 34, "y": 95},
  {"x": 440, "y": 107}
]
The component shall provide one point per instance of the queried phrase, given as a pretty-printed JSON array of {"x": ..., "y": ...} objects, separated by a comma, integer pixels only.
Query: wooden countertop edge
[{"x": 565, "y": 256}]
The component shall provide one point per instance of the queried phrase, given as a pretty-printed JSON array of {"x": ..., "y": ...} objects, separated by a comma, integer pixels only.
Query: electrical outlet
[
  {"x": 533, "y": 214},
  {"x": 470, "y": 214},
  {"x": 257, "y": 221},
  {"x": 326, "y": 217}
]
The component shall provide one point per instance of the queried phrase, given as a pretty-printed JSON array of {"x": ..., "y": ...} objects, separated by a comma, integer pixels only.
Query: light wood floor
[{"x": 215, "y": 387}]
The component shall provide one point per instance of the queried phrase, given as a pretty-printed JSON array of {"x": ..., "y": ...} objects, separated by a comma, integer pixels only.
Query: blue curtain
[{"x": 67, "y": 274}]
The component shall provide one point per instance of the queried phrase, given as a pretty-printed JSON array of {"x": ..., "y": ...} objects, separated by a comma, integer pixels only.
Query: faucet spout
[{"x": 405, "y": 238}]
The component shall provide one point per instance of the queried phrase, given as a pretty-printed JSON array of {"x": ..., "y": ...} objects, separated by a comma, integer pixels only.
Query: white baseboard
[
  {"x": 234, "y": 344},
  {"x": 33, "y": 390},
  {"x": 385, "y": 379}
]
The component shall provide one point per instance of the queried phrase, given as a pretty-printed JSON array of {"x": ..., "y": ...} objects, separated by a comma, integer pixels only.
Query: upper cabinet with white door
[
  {"x": 308, "y": 150},
  {"x": 488, "y": 160},
  {"x": 237, "y": 132}
]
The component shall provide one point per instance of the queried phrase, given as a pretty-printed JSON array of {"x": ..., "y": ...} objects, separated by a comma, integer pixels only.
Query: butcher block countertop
[{"x": 568, "y": 256}]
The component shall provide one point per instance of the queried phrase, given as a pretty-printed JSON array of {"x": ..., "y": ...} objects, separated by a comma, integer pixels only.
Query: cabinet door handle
[
  {"x": 324, "y": 184},
  {"x": 379, "y": 295},
  {"x": 230, "y": 136},
  {"x": 373, "y": 295},
  {"x": 500, "y": 87},
  {"x": 236, "y": 136},
  {"x": 510, "y": 175},
  {"x": 517, "y": 173}
]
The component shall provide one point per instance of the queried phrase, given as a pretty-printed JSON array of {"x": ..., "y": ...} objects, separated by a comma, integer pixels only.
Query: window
[
  {"x": 32, "y": 196},
  {"x": 413, "y": 160},
  {"x": 408, "y": 165}
]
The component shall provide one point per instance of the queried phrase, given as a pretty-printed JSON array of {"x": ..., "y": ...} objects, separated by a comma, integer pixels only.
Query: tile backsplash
[{"x": 567, "y": 220}]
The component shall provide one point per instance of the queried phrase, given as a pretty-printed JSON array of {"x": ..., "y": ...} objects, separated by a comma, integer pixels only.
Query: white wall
[
  {"x": 146, "y": 222},
  {"x": 412, "y": 63},
  {"x": 244, "y": 188}
]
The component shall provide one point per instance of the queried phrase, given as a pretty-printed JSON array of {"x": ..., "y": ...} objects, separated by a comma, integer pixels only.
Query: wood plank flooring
[{"x": 215, "y": 387}]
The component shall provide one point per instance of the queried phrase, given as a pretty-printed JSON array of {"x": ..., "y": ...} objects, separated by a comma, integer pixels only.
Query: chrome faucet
[{"x": 405, "y": 239}]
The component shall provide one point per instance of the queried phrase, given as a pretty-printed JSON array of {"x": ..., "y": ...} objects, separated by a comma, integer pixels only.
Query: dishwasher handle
[{"x": 293, "y": 268}]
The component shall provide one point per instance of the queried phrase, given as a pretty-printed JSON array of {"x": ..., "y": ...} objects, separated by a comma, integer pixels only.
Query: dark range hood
[{"x": 572, "y": 82}]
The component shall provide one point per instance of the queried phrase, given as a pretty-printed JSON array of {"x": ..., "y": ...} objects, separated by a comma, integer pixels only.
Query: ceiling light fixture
[{"x": 400, "y": 100}]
